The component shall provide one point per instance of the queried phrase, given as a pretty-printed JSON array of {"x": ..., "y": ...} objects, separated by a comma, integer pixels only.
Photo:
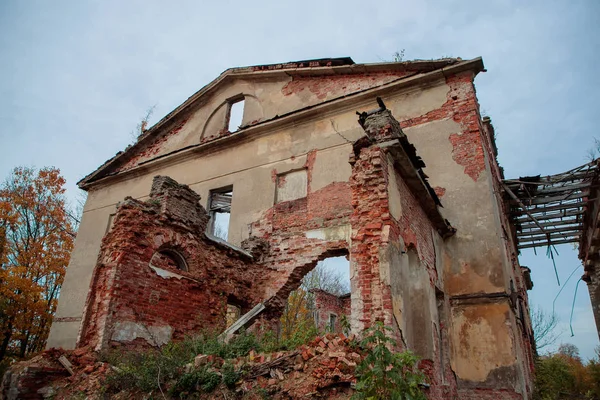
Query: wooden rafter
[{"x": 549, "y": 210}]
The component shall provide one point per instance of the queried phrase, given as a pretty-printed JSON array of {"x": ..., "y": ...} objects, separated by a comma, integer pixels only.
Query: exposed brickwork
[
  {"x": 461, "y": 106},
  {"x": 440, "y": 191},
  {"x": 24, "y": 383},
  {"x": 139, "y": 297},
  {"x": 136, "y": 300},
  {"x": 151, "y": 150},
  {"x": 327, "y": 304},
  {"x": 283, "y": 228},
  {"x": 371, "y": 217},
  {"x": 334, "y": 86}
]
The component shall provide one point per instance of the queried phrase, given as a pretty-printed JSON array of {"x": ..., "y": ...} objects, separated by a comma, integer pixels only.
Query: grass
[{"x": 163, "y": 370}]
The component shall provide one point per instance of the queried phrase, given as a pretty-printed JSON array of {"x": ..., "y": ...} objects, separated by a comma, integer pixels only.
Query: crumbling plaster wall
[
  {"x": 475, "y": 260},
  {"x": 264, "y": 99},
  {"x": 438, "y": 118},
  {"x": 397, "y": 257}
]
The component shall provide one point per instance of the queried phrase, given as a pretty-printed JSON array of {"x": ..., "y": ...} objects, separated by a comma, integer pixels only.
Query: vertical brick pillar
[
  {"x": 371, "y": 221},
  {"x": 179, "y": 202},
  {"x": 370, "y": 228}
]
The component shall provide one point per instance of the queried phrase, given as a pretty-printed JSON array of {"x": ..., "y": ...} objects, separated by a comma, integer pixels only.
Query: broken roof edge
[
  {"x": 448, "y": 66},
  {"x": 383, "y": 130},
  {"x": 555, "y": 209}
]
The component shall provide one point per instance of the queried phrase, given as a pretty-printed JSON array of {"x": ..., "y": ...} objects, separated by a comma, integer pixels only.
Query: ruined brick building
[{"x": 299, "y": 179}]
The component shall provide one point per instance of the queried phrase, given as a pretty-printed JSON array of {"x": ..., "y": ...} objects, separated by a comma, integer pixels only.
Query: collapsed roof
[{"x": 551, "y": 210}]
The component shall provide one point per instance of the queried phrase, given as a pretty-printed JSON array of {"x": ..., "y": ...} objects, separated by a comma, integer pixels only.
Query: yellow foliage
[
  {"x": 296, "y": 314},
  {"x": 36, "y": 239}
]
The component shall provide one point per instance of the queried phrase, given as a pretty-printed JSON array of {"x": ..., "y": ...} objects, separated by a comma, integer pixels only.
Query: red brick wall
[
  {"x": 327, "y": 304},
  {"x": 371, "y": 200},
  {"x": 292, "y": 255},
  {"x": 371, "y": 217},
  {"x": 128, "y": 294}
]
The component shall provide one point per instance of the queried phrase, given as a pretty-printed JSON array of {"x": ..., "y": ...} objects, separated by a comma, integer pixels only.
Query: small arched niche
[{"x": 168, "y": 259}]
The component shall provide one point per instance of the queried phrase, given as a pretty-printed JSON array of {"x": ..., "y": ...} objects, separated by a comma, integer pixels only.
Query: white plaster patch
[
  {"x": 341, "y": 232},
  {"x": 129, "y": 331},
  {"x": 292, "y": 185},
  {"x": 163, "y": 273},
  {"x": 394, "y": 193}
]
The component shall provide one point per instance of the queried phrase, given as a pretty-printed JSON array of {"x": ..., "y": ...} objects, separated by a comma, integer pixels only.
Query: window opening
[
  {"x": 219, "y": 208},
  {"x": 332, "y": 321},
  {"x": 168, "y": 259},
  {"x": 236, "y": 115},
  {"x": 324, "y": 291}
]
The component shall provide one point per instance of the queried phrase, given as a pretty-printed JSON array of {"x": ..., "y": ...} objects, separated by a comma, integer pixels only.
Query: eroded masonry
[{"x": 205, "y": 220}]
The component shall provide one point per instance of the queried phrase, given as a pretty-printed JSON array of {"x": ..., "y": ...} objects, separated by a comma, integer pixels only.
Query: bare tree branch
[{"x": 544, "y": 327}]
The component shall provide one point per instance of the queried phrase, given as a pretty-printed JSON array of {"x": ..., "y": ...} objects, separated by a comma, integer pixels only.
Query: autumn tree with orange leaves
[{"x": 36, "y": 239}]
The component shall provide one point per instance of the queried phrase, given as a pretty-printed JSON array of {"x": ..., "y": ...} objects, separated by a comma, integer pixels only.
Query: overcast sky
[{"x": 76, "y": 77}]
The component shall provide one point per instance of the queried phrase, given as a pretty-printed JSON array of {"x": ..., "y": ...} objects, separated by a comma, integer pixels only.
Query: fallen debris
[
  {"x": 65, "y": 363},
  {"x": 323, "y": 368}
]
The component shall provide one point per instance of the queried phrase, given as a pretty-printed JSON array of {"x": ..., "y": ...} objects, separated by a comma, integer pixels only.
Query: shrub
[
  {"x": 386, "y": 375},
  {"x": 230, "y": 375},
  {"x": 203, "y": 379},
  {"x": 155, "y": 369}
]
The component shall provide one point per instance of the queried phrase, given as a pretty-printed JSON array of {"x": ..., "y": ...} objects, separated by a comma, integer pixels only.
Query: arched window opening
[
  {"x": 235, "y": 115},
  {"x": 322, "y": 302},
  {"x": 169, "y": 260}
]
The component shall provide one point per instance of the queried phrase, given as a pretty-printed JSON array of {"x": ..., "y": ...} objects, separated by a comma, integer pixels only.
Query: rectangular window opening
[
  {"x": 219, "y": 209},
  {"x": 332, "y": 321},
  {"x": 236, "y": 115}
]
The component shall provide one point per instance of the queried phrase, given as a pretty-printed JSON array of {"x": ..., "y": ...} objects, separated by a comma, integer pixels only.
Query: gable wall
[{"x": 264, "y": 100}]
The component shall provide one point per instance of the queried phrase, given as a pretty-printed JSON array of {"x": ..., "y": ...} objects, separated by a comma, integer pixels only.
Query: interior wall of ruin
[{"x": 159, "y": 278}]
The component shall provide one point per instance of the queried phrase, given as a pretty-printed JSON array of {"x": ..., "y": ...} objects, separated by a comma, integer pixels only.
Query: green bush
[
  {"x": 230, "y": 375},
  {"x": 554, "y": 378},
  {"x": 201, "y": 380},
  {"x": 306, "y": 332},
  {"x": 386, "y": 375},
  {"x": 146, "y": 370}
]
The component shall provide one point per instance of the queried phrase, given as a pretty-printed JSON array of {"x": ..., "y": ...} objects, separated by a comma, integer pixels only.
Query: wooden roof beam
[
  {"x": 544, "y": 244},
  {"x": 543, "y": 225}
]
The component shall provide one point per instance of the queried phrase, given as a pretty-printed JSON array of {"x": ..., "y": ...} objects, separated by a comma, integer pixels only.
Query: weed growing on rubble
[
  {"x": 386, "y": 375},
  {"x": 164, "y": 369},
  {"x": 200, "y": 380},
  {"x": 230, "y": 375}
]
